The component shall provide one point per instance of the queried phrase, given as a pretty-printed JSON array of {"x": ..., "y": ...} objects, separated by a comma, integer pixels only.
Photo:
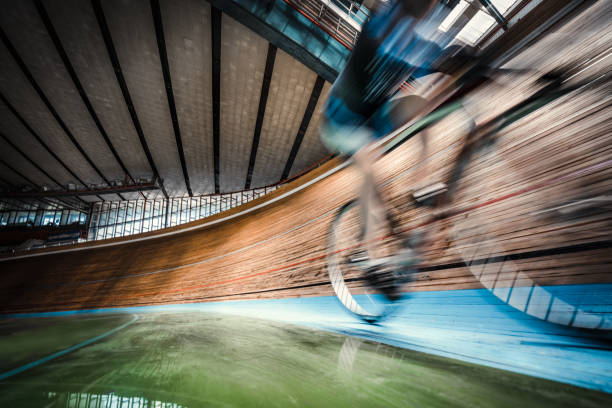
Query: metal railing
[
  {"x": 342, "y": 19},
  {"x": 112, "y": 219},
  {"x": 88, "y": 400},
  {"x": 122, "y": 218}
]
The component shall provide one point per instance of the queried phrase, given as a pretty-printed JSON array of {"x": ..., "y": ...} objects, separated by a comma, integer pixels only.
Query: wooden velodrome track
[{"x": 275, "y": 246}]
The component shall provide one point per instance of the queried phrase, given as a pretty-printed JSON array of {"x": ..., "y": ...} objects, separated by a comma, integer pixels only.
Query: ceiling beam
[
  {"x": 509, "y": 16},
  {"x": 24, "y": 69},
  {"x": 461, "y": 21},
  {"x": 32, "y": 162},
  {"x": 42, "y": 205},
  {"x": 6, "y": 182},
  {"x": 63, "y": 203},
  {"x": 77, "y": 83},
  {"x": 23, "y": 176},
  {"x": 499, "y": 17},
  {"x": 20, "y": 206},
  {"x": 216, "y": 92},
  {"x": 261, "y": 111},
  {"x": 9, "y": 203},
  {"x": 112, "y": 53},
  {"x": 14, "y": 170},
  {"x": 39, "y": 139},
  {"x": 163, "y": 57},
  {"x": 312, "y": 103},
  {"x": 69, "y": 193},
  {"x": 280, "y": 24}
]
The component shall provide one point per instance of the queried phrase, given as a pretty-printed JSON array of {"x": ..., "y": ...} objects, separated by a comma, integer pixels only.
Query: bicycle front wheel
[{"x": 347, "y": 260}]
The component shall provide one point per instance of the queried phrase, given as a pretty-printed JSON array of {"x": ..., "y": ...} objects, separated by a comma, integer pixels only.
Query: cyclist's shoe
[
  {"x": 406, "y": 260},
  {"x": 358, "y": 258},
  {"x": 382, "y": 278}
]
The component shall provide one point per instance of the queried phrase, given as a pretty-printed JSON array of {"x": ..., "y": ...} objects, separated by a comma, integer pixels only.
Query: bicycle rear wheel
[
  {"x": 347, "y": 260},
  {"x": 536, "y": 233}
]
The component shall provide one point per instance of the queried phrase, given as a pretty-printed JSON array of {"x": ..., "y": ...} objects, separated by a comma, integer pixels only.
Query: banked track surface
[
  {"x": 273, "y": 251},
  {"x": 275, "y": 247}
]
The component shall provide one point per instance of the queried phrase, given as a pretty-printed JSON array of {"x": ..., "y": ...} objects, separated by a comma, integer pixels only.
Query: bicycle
[{"x": 480, "y": 248}]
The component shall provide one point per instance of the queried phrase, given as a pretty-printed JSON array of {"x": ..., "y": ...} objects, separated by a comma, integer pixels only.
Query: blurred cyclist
[{"x": 395, "y": 44}]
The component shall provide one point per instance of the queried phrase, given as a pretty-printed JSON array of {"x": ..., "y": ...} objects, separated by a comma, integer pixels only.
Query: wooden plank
[{"x": 559, "y": 153}]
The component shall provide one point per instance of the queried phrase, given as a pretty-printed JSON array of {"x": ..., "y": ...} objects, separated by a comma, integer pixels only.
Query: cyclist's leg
[
  {"x": 391, "y": 116},
  {"x": 401, "y": 111},
  {"x": 372, "y": 207},
  {"x": 387, "y": 118},
  {"x": 343, "y": 131},
  {"x": 353, "y": 141}
]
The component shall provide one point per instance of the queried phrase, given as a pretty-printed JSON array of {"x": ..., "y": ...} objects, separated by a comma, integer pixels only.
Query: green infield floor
[{"x": 199, "y": 359}]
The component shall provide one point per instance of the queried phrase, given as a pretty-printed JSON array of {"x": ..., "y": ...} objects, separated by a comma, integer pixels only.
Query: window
[
  {"x": 503, "y": 5},
  {"x": 48, "y": 218},
  {"x": 476, "y": 27},
  {"x": 73, "y": 217},
  {"x": 453, "y": 15},
  {"x": 22, "y": 217}
]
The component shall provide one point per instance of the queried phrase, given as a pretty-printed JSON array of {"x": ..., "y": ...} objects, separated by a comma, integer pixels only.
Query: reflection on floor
[
  {"x": 469, "y": 325},
  {"x": 205, "y": 359},
  {"x": 86, "y": 400}
]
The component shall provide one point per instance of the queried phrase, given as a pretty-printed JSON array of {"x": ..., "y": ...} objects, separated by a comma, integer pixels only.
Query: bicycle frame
[
  {"x": 483, "y": 247},
  {"x": 479, "y": 135}
]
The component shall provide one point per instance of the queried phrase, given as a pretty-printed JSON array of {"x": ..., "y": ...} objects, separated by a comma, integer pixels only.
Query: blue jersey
[{"x": 393, "y": 46}]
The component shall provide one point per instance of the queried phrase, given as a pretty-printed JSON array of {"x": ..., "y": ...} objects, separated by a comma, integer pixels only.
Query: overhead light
[
  {"x": 452, "y": 16},
  {"x": 475, "y": 28},
  {"x": 503, "y": 5}
]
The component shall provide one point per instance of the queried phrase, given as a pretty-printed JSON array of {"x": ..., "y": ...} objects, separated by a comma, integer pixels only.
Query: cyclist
[{"x": 398, "y": 42}]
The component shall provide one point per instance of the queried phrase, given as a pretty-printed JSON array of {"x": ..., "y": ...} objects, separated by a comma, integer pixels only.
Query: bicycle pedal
[
  {"x": 358, "y": 259},
  {"x": 426, "y": 194}
]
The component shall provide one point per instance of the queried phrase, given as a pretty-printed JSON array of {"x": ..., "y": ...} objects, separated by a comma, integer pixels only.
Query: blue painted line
[
  {"x": 600, "y": 294},
  {"x": 471, "y": 325},
  {"x": 43, "y": 360}
]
